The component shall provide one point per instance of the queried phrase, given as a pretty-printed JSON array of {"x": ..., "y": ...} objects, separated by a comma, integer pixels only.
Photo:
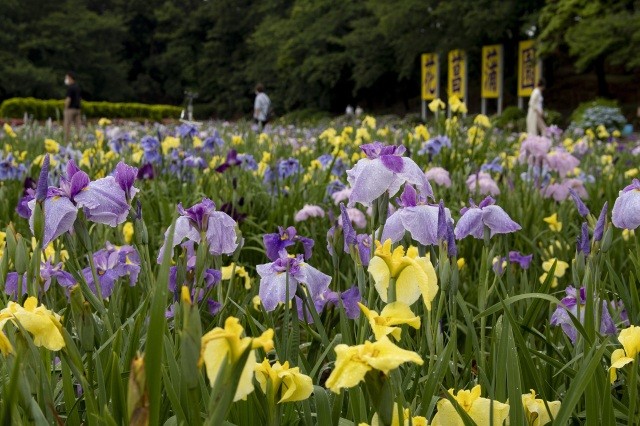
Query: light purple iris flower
[
  {"x": 475, "y": 218},
  {"x": 562, "y": 162},
  {"x": 483, "y": 183},
  {"x": 626, "y": 210},
  {"x": 104, "y": 201},
  {"x": 349, "y": 300},
  {"x": 107, "y": 200},
  {"x": 276, "y": 242},
  {"x": 416, "y": 217},
  {"x": 577, "y": 299},
  {"x": 384, "y": 170},
  {"x": 113, "y": 263},
  {"x": 274, "y": 279},
  {"x": 48, "y": 271},
  {"x": 218, "y": 228}
]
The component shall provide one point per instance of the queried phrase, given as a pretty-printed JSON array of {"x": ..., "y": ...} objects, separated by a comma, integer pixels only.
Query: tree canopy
[{"x": 318, "y": 54}]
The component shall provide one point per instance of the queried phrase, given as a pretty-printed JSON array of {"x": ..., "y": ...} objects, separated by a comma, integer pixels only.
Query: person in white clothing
[
  {"x": 535, "y": 118},
  {"x": 261, "y": 106}
]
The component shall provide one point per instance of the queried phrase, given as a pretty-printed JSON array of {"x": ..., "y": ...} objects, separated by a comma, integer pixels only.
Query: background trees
[{"x": 311, "y": 54}]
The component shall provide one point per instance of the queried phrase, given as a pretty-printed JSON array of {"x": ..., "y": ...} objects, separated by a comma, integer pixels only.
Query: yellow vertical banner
[
  {"x": 528, "y": 68},
  {"x": 458, "y": 74},
  {"x": 491, "y": 71},
  {"x": 430, "y": 76}
]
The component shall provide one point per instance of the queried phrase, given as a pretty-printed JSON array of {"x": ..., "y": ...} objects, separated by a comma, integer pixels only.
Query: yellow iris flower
[
  {"x": 422, "y": 132},
  {"x": 240, "y": 272},
  {"x": 456, "y": 105},
  {"x": 9, "y": 131},
  {"x": 42, "y": 323},
  {"x": 392, "y": 315},
  {"x": 553, "y": 222},
  {"x": 479, "y": 409},
  {"x": 395, "y": 421},
  {"x": 436, "y": 105},
  {"x": 104, "y": 122},
  {"x": 289, "y": 384},
  {"x": 369, "y": 121},
  {"x": 630, "y": 339},
  {"x": 482, "y": 120},
  {"x": 51, "y": 146},
  {"x": 227, "y": 342},
  {"x": 354, "y": 362},
  {"x": 169, "y": 143},
  {"x": 536, "y": 411},
  {"x": 127, "y": 232},
  {"x": 414, "y": 275},
  {"x": 561, "y": 269}
]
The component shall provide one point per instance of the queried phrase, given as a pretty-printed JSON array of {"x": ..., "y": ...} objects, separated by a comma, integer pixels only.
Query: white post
[
  {"x": 483, "y": 106},
  {"x": 424, "y": 110},
  {"x": 520, "y": 102}
]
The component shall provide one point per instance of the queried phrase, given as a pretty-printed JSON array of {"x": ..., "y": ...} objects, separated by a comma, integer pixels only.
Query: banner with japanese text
[
  {"x": 491, "y": 71},
  {"x": 528, "y": 68},
  {"x": 430, "y": 76},
  {"x": 457, "y": 74}
]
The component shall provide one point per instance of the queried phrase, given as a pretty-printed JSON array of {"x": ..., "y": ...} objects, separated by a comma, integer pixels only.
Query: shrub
[
  {"x": 512, "y": 118},
  {"x": 599, "y": 111},
  {"x": 43, "y": 109}
]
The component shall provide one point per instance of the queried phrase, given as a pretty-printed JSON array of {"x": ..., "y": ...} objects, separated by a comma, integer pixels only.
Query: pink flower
[
  {"x": 560, "y": 191},
  {"x": 309, "y": 210},
  {"x": 439, "y": 175},
  {"x": 562, "y": 162},
  {"x": 534, "y": 149},
  {"x": 339, "y": 196},
  {"x": 484, "y": 183}
]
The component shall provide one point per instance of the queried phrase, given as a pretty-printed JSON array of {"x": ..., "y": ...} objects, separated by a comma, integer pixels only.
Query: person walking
[
  {"x": 261, "y": 106},
  {"x": 72, "y": 105},
  {"x": 535, "y": 117}
]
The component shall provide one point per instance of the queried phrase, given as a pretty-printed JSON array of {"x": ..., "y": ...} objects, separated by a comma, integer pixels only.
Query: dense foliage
[
  {"x": 43, "y": 109},
  {"x": 321, "y": 54}
]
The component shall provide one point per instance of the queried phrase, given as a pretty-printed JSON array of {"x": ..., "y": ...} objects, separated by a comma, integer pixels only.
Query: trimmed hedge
[{"x": 42, "y": 109}]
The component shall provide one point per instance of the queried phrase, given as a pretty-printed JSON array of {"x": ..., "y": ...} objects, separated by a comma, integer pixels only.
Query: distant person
[
  {"x": 72, "y": 105},
  {"x": 261, "y": 106},
  {"x": 535, "y": 116},
  {"x": 359, "y": 111}
]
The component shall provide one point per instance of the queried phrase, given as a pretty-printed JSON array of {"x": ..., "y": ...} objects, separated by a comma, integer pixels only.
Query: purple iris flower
[
  {"x": 274, "y": 279},
  {"x": 276, "y": 242},
  {"x": 218, "y": 228},
  {"x": 523, "y": 260},
  {"x": 583, "y": 242},
  {"x": 335, "y": 186},
  {"x": 9, "y": 169},
  {"x": 187, "y": 130},
  {"x": 288, "y": 167},
  {"x": 599, "y": 228},
  {"x": 361, "y": 241},
  {"x": 348, "y": 298},
  {"x": 493, "y": 166},
  {"x": 582, "y": 209},
  {"x": 434, "y": 145},
  {"x": 146, "y": 172},
  {"x": 475, "y": 218},
  {"x": 577, "y": 300},
  {"x": 213, "y": 142},
  {"x": 125, "y": 176},
  {"x": 22, "y": 208},
  {"x": 232, "y": 160},
  {"x": 48, "y": 271},
  {"x": 247, "y": 162},
  {"x": 499, "y": 265},
  {"x": 113, "y": 263},
  {"x": 626, "y": 210},
  {"x": 194, "y": 162},
  {"x": 384, "y": 170},
  {"x": 151, "y": 147},
  {"x": 416, "y": 217}
]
